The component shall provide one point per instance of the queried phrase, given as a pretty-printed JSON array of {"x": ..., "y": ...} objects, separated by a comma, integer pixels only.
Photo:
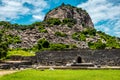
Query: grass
[
  {"x": 20, "y": 53},
  {"x": 64, "y": 75}
]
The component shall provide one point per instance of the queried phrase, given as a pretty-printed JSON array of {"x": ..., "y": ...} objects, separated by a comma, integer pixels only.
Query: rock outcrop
[
  {"x": 30, "y": 37},
  {"x": 67, "y": 11}
]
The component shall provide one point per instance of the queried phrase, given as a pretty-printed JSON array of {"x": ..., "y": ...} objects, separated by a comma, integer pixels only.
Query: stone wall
[
  {"x": 24, "y": 58},
  {"x": 99, "y": 57},
  {"x": 18, "y": 62}
]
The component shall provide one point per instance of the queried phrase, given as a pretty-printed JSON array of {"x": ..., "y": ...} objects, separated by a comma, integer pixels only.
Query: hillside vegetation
[{"x": 65, "y": 27}]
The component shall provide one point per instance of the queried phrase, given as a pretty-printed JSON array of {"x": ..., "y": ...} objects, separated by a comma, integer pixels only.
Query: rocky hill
[
  {"x": 67, "y": 11},
  {"x": 65, "y": 24}
]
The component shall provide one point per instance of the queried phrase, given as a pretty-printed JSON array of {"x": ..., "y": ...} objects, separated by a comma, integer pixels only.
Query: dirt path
[{"x": 6, "y": 72}]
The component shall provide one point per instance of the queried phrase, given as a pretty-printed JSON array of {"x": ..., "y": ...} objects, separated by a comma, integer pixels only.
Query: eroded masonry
[{"x": 98, "y": 57}]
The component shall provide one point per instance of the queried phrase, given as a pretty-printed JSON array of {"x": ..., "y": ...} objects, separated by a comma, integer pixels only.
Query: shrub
[
  {"x": 75, "y": 36},
  {"x": 42, "y": 43},
  {"x": 42, "y": 29},
  {"x": 82, "y": 37},
  {"x": 70, "y": 25},
  {"x": 79, "y": 36},
  {"x": 97, "y": 45},
  {"x": 89, "y": 31},
  {"x": 69, "y": 20},
  {"x": 57, "y": 46},
  {"x": 60, "y": 34},
  {"x": 11, "y": 39},
  {"x": 37, "y": 24},
  {"x": 54, "y": 21},
  {"x": 72, "y": 46}
]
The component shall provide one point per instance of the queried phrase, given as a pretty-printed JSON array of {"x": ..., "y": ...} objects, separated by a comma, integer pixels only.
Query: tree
[
  {"x": 3, "y": 47},
  {"x": 42, "y": 43}
]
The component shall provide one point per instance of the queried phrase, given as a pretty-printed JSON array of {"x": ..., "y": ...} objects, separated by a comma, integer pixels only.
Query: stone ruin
[
  {"x": 18, "y": 62},
  {"x": 77, "y": 57}
]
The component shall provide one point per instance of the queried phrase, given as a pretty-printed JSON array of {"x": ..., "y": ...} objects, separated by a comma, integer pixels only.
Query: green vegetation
[
  {"x": 61, "y": 34},
  {"x": 104, "y": 42},
  {"x": 12, "y": 39},
  {"x": 19, "y": 53},
  {"x": 56, "y": 21},
  {"x": 3, "y": 50},
  {"x": 43, "y": 44},
  {"x": 79, "y": 36},
  {"x": 89, "y": 31},
  {"x": 97, "y": 45},
  {"x": 8, "y": 25},
  {"x": 61, "y": 46},
  {"x": 70, "y": 22},
  {"x": 42, "y": 29},
  {"x": 58, "y": 46},
  {"x": 64, "y": 75},
  {"x": 111, "y": 42},
  {"x": 5, "y": 24},
  {"x": 3, "y": 46},
  {"x": 53, "y": 21}
]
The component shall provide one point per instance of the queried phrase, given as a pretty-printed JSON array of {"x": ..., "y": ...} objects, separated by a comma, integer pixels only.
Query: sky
[{"x": 105, "y": 14}]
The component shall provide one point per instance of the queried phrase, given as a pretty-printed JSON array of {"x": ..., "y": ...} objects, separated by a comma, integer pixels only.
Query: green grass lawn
[
  {"x": 64, "y": 75},
  {"x": 20, "y": 53}
]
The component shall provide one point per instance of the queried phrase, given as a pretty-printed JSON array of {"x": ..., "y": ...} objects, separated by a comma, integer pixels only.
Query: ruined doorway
[{"x": 79, "y": 60}]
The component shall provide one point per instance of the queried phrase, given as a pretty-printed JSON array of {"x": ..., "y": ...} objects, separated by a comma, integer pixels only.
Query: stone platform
[
  {"x": 77, "y": 67},
  {"x": 83, "y": 64},
  {"x": 15, "y": 64}
]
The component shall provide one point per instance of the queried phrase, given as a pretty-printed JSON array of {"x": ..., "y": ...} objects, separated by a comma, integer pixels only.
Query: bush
[
  {"x": 79, "y": 36},
  {"x": 42, "y": 43},
  {"x": 97, "y": 45},
  {"x": 45, "y": 45},
  {"x": 111, "y": 42},
  {"x": 82, "y": 37},
  {"x": 11, "y": 39},
  {"x": 69, "y": 20},
  {"x": 53, "y": 21},
  {"x": 42, "y": 29},
  {"x": 75, "y": 36},
  {"x": 70, "y": 25},
  {"x": 57, "y": 46},
  {"x": 72, "y": 46},
  {"x": 89, "y": 31},
  {"x": 37, "y": 24},
  {"x": 60, "y": 34}
]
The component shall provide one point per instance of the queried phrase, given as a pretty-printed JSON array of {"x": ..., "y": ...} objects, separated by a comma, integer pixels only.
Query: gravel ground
[{"x": 4, "y": 72}]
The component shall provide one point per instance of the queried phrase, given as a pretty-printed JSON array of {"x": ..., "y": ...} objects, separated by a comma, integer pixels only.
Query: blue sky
[{"x": 105, "y": 14}]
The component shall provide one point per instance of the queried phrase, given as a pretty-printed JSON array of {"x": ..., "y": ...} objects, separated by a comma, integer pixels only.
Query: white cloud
[
  {"x": 103, "y": 10},
  {"x": 117, "y": 28},
  {"x": 14, "y": 9},
  {"x": 38, "y": 17}
]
